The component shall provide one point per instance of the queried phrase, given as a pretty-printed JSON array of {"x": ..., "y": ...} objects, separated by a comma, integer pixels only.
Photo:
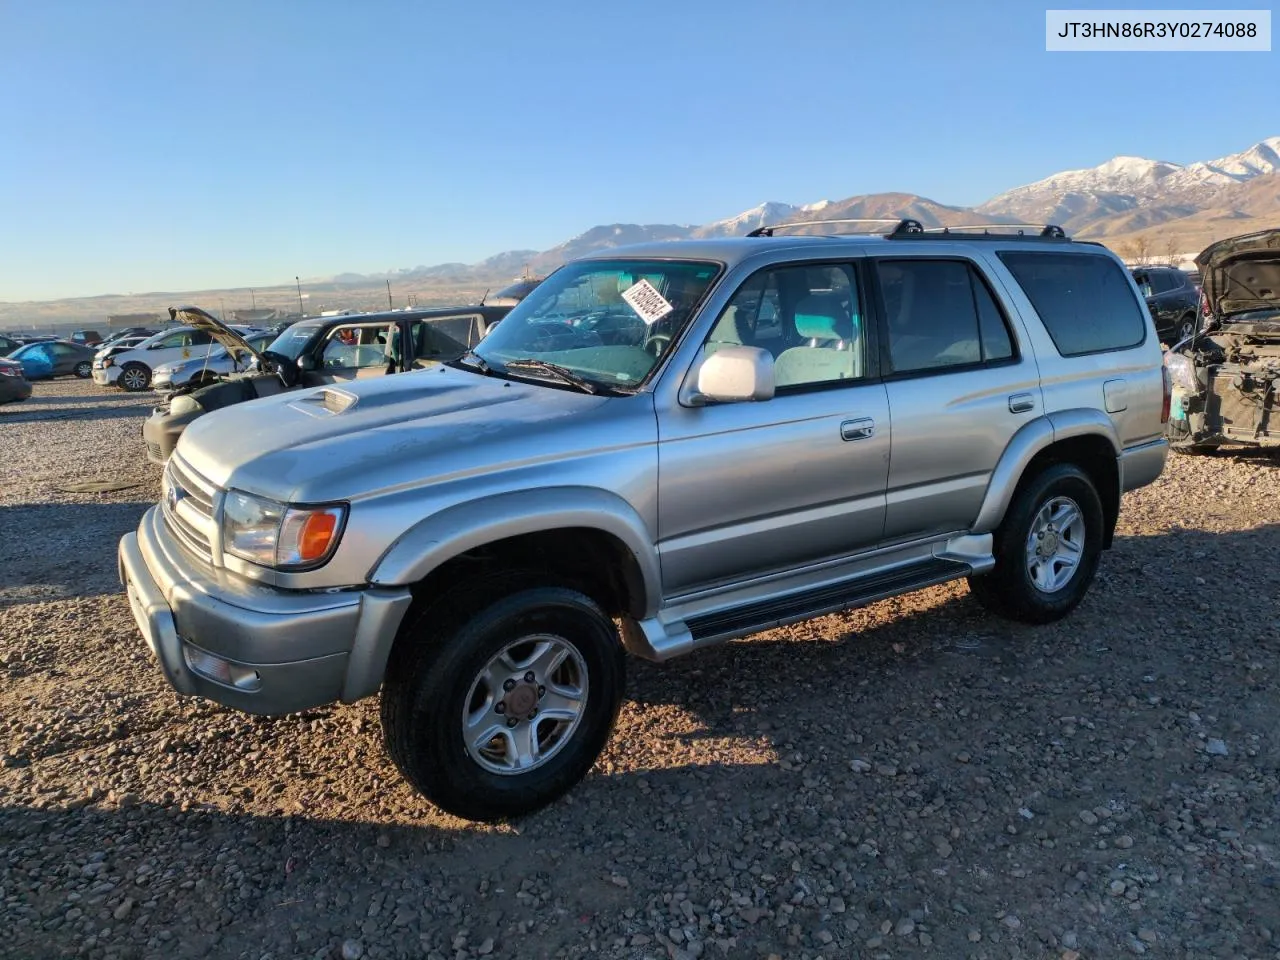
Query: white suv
[{"x": 133, "y": 369}]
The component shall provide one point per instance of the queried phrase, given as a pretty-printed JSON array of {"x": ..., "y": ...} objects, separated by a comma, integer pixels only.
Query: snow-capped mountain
[
  {"x": 1078, "y": 198},
  {"x": 1121, "y": 197}
]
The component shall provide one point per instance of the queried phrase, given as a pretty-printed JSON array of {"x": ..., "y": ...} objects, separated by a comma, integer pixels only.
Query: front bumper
[
  {"x": 281, "y": 650},
  {"x": 105, "y": 376},
  {"x": 161, "y": 430}
]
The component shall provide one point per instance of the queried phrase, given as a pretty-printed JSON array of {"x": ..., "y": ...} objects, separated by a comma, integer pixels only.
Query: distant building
[
  {"x": 255, "y": 316},
  {"x": 120, "y": 320}
]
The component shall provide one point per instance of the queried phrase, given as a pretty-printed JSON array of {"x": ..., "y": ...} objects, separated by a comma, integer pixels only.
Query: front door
[
  {"x": 355, "y": 351},
  {"x": 746, "y": 489}
]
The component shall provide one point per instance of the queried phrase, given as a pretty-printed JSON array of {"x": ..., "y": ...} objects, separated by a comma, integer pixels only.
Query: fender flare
[
  {"x": 455, "y": 530},
  {"x": 1032, "y": 438}
]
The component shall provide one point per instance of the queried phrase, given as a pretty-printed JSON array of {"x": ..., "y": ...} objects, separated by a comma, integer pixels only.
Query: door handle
[
  {"x": 857, "y": 429},
  {"x": 1021, "y": 403}
]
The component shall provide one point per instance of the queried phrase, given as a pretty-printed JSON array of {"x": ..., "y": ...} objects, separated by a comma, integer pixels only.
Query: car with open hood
[
  {"x": 309, "y": 353},
  {"x": 132, "y": 370},
  {"x": 1225, "y": 375}
]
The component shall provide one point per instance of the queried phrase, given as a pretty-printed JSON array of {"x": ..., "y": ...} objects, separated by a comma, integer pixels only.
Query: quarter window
[
  {"x": 807, "y": 317},
  {"x": 1084, "y": 300},
  {"x": 940, "y": 314}
]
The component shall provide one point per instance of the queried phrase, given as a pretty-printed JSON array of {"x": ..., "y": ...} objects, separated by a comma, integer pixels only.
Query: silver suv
[{"x": 661, "y": 448}]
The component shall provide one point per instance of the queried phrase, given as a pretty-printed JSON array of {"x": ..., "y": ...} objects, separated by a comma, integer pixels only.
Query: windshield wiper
[
  {"x": 563, "y": 373},
  {"x": 471, "y": 360}
]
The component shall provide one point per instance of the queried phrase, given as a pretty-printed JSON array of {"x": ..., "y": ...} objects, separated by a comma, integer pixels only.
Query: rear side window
[
  {"x": 940, "y": 314},
  {"x": 1085, "y": 301}
]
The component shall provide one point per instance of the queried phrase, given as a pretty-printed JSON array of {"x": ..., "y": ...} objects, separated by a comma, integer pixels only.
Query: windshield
[
  {"x": 294, "y": 340},
  {"x": 606, "y": 321}
]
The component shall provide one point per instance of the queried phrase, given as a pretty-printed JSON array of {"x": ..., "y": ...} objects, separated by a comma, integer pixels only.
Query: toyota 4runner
[{"x": 661, "y": 448}]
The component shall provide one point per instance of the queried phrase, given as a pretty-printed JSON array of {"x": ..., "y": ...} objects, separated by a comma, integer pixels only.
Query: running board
[
  {"x": 791, "y": 608},
  {"x": 656, "y": 641}
]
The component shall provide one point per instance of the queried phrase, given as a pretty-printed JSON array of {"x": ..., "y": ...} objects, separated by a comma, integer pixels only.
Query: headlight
[
  {"x": 277, "y": 535},
  {"x": 1182, "y": 372},
  {"x": 184, "y": 403}
]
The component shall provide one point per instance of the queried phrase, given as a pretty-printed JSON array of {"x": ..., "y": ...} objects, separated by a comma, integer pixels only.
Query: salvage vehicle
[
  {"x": 14, "y": 385},
  {"x": 1225, "y": 375},
  {"x": 171, "y": 377},
  {"x": 484, "y": 541},
  {"x": 1172, "y": 298},
  {"x": 310, "y": 353},
  {"x": 54, "y": 358},
  {"x": 132, "y": 370}
]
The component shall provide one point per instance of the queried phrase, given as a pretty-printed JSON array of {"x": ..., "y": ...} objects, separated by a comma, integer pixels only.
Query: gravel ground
[{"x": 915, "y": 779}]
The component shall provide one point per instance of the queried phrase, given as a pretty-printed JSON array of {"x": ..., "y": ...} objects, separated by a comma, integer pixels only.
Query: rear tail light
[
  {"x": 1204, "y": 304},
  {"x": 1167, "y": 403}
]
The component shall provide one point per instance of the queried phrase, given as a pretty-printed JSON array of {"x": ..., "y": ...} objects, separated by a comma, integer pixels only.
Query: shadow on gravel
[
  {"x": 12, "y": 415},
  {"x": 53, "y": 551},
  {"x": 1155, "y": 599},
  {"x": 219, "y": 883}
]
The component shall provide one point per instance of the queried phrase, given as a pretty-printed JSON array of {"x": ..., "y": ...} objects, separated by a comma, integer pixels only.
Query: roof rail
[
  {"x": 1044, "y": 231},
  {"x": 899, "y": 227}
]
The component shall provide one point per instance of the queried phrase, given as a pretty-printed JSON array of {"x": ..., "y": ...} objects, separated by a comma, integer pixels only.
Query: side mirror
[
  {"x": 306, "y": 362},
  {"x": 734, "y": 374}
]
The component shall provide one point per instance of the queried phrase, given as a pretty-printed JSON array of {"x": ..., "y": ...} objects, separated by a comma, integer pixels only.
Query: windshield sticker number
[{"x": 644, "y": 299}]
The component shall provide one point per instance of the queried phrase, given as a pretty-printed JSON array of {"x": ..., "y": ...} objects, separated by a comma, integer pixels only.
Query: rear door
[{"x": 961, "y": 382}]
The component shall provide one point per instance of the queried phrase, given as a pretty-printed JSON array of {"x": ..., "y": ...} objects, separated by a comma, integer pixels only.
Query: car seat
[{"x": 832, "y": 350}]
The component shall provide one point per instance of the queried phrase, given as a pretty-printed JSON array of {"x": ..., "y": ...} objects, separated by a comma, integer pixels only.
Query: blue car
[{"x": 54, "y": 358}]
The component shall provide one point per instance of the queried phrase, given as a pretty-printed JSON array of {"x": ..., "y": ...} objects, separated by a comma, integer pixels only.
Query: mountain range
[{"x": 1126, "y": 201}]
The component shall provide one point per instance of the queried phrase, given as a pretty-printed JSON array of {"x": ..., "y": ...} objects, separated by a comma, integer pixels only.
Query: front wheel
[
  {"x": 1046, "y": 549},
  {"x": 134, "y": 377},
  {"x": 501, "y": 704}
]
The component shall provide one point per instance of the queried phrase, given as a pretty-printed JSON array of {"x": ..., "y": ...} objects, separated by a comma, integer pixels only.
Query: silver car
[
  {"x": 662, "y": 447},
  {"x": 168, "y": 377}
]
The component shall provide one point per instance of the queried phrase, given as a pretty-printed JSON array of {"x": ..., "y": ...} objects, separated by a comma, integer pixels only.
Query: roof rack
[
  {"x": 899, "y": 227},
  {"x": 1044, "y": 231}
]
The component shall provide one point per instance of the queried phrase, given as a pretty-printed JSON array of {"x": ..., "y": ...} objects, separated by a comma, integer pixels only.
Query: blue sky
[{"x": 179, "y": 145}]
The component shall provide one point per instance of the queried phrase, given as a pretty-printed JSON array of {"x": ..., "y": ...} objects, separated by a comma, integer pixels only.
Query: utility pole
[
  {"x": 301, "y": 312},
  {"x": 222, "y": 303},
  {"x": 253, "y": 299},
  {"x": 390, "y": 306}
]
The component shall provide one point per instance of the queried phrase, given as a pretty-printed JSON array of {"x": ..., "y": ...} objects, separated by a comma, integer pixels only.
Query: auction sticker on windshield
[{"x": 645, "y": 300}]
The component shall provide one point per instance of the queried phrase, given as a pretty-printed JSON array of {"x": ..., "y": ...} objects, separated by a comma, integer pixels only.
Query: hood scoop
[{"x": 326, "y": 402}]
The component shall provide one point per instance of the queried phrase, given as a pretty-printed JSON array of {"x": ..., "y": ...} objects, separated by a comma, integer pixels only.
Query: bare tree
[
  {"x": 1142, "y": 249},
  {"x": 1128, "y": 252},
  {"x": 1173, "y": 250}
]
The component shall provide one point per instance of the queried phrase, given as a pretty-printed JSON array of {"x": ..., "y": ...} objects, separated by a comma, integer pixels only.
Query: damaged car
[
  {"x": 312, "y": 353},
  {"x": 1226, "y": 373}
]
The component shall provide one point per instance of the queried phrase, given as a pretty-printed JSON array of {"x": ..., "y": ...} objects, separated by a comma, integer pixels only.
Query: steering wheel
[
  {"x": 657, "y": 343},
  {"x": 286, "y": 369}
]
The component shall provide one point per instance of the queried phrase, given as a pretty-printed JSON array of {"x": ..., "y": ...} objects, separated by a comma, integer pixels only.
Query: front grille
[{"x": 188, "y": 508}]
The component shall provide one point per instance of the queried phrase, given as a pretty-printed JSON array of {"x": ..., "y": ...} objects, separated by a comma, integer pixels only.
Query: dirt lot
[{"x": 913, "y": 779}]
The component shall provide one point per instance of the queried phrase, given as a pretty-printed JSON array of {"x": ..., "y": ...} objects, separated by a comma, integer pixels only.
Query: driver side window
[{"x": 808, "y": 318}]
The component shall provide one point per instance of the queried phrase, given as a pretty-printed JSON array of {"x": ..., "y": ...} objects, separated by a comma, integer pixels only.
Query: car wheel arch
[{"x": 1082, "y": 436}]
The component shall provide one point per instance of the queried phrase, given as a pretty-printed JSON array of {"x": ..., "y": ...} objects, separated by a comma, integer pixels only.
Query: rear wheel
[
  {"x": 1186, "y": 327},
  {"x": 1046, "y": 549},
  {"x": 498, "y": 705},
  {"x": 84, "y": 369},
  {"x": 134, "y": 377}
]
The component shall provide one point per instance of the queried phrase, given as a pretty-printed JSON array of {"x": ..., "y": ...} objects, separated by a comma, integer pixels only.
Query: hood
[
  {"x": 349, "y": 440},
  {"x": 235, "y": 345},
  {"x": 1242, "y": 273}
]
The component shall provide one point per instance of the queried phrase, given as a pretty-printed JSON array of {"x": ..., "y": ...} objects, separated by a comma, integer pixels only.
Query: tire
[
  {"x": 1186, "y": 327},
  {"x": 436, "y": 678},
  {"x": 1193, "y": 449},
  {"x": 83, "y": 370},
  {"x": 1010, "y": 589},
  {"x": 134, "y": 377}
]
